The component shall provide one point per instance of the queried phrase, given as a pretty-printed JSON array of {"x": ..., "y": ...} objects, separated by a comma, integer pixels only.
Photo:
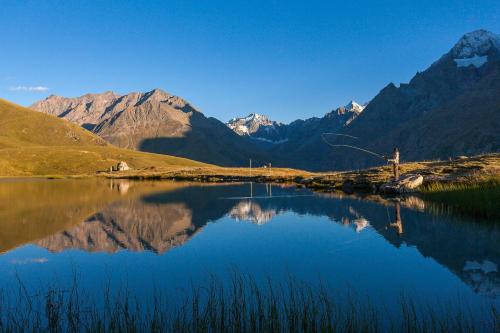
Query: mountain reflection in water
[{"x": 139, "y": 216}]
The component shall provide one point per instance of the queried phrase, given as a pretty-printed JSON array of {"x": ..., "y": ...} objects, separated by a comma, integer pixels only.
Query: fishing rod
[
  {"x": 338, "y": 134},
  {"x": 349, "y": 146}
]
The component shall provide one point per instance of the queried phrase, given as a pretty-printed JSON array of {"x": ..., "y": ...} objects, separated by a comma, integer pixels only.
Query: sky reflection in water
[{"x": 174, "y": 235}]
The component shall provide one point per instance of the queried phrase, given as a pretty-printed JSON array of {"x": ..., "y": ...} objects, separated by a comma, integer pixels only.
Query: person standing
[{"x": 395, "y": 163}]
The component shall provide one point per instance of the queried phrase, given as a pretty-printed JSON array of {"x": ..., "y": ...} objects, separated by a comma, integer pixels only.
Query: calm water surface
[{"x": 147, "y": 235}]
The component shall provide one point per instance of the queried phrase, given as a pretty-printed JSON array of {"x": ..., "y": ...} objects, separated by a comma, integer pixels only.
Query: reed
[
  {"x": 240, "y": 306},
  {"x": 478, "y": 198}
]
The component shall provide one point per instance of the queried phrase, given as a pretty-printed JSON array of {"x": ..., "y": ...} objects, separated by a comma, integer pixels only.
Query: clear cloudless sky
[{"x": 287, "y": 59}]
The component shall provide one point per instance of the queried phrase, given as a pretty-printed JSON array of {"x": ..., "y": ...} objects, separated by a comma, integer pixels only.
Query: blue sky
[{"x": 287, "y": 59}]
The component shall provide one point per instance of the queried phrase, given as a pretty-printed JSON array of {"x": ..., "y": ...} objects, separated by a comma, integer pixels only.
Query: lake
[{"x": 173, "y": 236}]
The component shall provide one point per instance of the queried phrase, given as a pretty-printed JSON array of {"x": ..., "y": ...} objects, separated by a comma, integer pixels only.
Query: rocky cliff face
[
  {"x": 154, "y": 121},
  {"x": 92, "y": 109}
]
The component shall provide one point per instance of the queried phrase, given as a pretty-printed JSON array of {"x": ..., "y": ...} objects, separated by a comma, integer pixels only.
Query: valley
[{"x": 251, "y": 167}]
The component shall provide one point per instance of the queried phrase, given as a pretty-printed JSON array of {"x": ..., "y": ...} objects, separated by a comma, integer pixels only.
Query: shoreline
[{"x": 468, "y": 170}]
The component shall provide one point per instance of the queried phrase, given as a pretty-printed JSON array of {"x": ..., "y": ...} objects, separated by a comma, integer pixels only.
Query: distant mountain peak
[
  {"x": 103, "y": 95},
  {"x": 158, "y": 92},
  {"x": 475, "y": 43},
  {"x": 353, "y": 106},
  {"x": 155, "y": 95},
  {"x": 350, "y": 108},
  {"x": 249, "y": 124},
  {"x": 256, "y": 117}
]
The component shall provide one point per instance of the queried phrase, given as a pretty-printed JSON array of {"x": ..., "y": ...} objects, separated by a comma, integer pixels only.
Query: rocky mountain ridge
[
  {"x": 259, "y": 127},
  {"x": 154, "y": 121},
  {"x": 92, "y": 109},
  {"x": 452, "y": 108}
]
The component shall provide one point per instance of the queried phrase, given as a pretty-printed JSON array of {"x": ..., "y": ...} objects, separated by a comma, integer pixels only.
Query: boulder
[
  {"x": 122, "y": 166},
  {"x": 406, "y": 183}
]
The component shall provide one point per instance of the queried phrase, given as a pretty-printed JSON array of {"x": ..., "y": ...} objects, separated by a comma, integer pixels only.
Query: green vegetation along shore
[{"x": 480, "y": 198}]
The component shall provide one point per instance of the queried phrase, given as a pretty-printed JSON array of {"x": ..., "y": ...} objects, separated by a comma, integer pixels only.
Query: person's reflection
[{"x": 398, "y": 224}]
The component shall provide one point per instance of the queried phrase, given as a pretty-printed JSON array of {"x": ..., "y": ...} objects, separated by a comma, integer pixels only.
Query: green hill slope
[{"x": 32, "y": 143}]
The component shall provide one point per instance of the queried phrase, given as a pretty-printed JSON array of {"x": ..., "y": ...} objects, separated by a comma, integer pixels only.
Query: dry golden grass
[
  {"x": 36, "y": 144},
  {"x": 212, "y": 173},
  {"x": 472, "y": 169}
]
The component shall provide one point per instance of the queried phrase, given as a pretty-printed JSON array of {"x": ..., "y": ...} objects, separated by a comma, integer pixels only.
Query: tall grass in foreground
[
  {"x": 243, "y": 306},
  {"x": 480, "y": 198}
]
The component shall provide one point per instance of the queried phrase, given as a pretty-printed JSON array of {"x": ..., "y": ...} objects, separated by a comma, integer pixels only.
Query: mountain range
[
  {"x": 452, "y": 108},
  {"x": 159, "y": 122},
  {"x": 259, "y": 126},
  {"x": 154, "y": 121}
]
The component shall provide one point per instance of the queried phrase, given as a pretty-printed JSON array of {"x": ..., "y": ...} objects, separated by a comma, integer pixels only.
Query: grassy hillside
[{"x": 32, "y": 143}]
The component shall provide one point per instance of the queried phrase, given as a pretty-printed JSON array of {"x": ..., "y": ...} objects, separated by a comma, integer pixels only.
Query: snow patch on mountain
[{"x": 476, "y": 61}]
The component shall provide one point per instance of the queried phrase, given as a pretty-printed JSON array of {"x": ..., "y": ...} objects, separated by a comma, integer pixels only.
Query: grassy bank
[
  {"x": 479, "y": 197},
  {"x": 37, "y": 144},
  {"x": 433, "y": 171},
  {"x": 240, "y": 306}
]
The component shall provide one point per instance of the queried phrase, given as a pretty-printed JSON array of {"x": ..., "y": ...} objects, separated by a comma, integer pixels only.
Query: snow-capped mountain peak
[
  {"x": 352, "y": 106},
  {"x": 257, "y": 117},
  {"x": 344, "y": 115},
  {"x": 475, "y": 43},
  {"x": 249, "y": 124},
  {"x": 258, "y": 126}
]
